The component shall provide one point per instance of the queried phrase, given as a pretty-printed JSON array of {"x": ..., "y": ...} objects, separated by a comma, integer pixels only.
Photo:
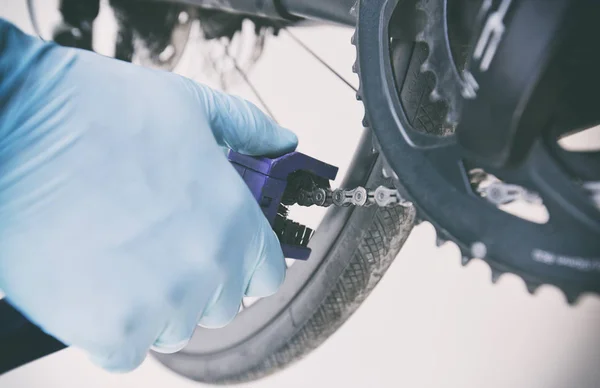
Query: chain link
[
  {"x": 500, "y": 193},
  {"x": 359, "y": 196}
]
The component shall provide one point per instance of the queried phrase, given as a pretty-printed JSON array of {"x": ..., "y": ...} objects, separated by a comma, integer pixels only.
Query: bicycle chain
[{"x": 359, "y": 196}]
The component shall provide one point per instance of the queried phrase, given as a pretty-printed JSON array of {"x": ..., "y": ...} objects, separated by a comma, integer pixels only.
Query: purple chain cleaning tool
[
  {"x": 281, "y": 182},
  {"x": 275, "y": 183}
]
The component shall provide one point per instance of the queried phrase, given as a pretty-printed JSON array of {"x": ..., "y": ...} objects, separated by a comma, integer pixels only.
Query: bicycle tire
[{"x": 356, "y": 259}]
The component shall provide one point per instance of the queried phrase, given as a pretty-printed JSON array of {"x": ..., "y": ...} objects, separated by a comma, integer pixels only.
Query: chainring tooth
[
  {"x": 572, "y": 296},
  {"x": 496, "y": 274},
  {"x": 365, "y": 121},
  {"x": 439, "y": 242},
  {"x": 448, "y": 83},
  {"x": 532, "y": 287}
]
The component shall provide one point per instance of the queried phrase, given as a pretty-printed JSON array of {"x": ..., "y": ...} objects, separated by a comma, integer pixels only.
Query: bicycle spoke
[
  {"x": 33, "y": 19},
  {"x": 244, "y": 76},
  {"x": 319, "y": 59},
  {"x": 254, "y": 90}
]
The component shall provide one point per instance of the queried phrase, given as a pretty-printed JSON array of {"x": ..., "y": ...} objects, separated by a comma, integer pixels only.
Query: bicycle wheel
[{"x": 351, "y": 247}]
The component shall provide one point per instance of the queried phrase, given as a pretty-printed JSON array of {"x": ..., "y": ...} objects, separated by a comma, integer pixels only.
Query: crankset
[{"x": 469, "y": 100}]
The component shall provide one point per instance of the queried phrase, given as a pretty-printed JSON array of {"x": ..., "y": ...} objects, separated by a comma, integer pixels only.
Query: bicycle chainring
[{"x": 434, "y": 172}]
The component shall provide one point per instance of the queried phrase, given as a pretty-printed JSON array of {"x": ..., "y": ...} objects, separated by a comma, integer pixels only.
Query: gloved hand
[{"x": 122, "y": 224}]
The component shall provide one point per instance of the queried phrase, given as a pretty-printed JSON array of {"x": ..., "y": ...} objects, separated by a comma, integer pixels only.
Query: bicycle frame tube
[{"x": 331, "y": 11}]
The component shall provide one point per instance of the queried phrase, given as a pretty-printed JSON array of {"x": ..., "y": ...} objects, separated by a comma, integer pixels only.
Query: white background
[{"x": 429, "y": 323}]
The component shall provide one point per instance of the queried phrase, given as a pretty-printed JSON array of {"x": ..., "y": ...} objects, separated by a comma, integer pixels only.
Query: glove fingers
[
  {"x": 125, "y": 360},
  {"x": 241, "y": 126},
  {"x": 180, "y": 327},
  {"x": 270, "y": 271},
  {"x": 225, "y": 307},
  {"x": 177, "y": 333},
  {"x": 128, "y": 352}
]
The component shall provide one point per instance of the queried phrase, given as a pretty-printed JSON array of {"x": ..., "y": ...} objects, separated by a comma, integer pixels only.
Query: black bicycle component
[
  {"x": 332, "y": 11},
  {"x": 271, "y": 9},
  {"x": 157, "y": 33},
  {"x": 21, "y": 341},
  {"x": 538, "y": 76},
  {"x": 78, "y": 21},
  {"x": 336, "y": 11},
  {"x": 433, "y": 170}
]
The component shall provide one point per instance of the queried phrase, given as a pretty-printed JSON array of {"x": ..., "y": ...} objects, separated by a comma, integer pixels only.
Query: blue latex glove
[{"x": 122, "y": 224}]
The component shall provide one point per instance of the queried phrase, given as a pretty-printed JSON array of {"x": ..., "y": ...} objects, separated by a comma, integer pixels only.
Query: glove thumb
[{"x": 241, "y": 126}]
